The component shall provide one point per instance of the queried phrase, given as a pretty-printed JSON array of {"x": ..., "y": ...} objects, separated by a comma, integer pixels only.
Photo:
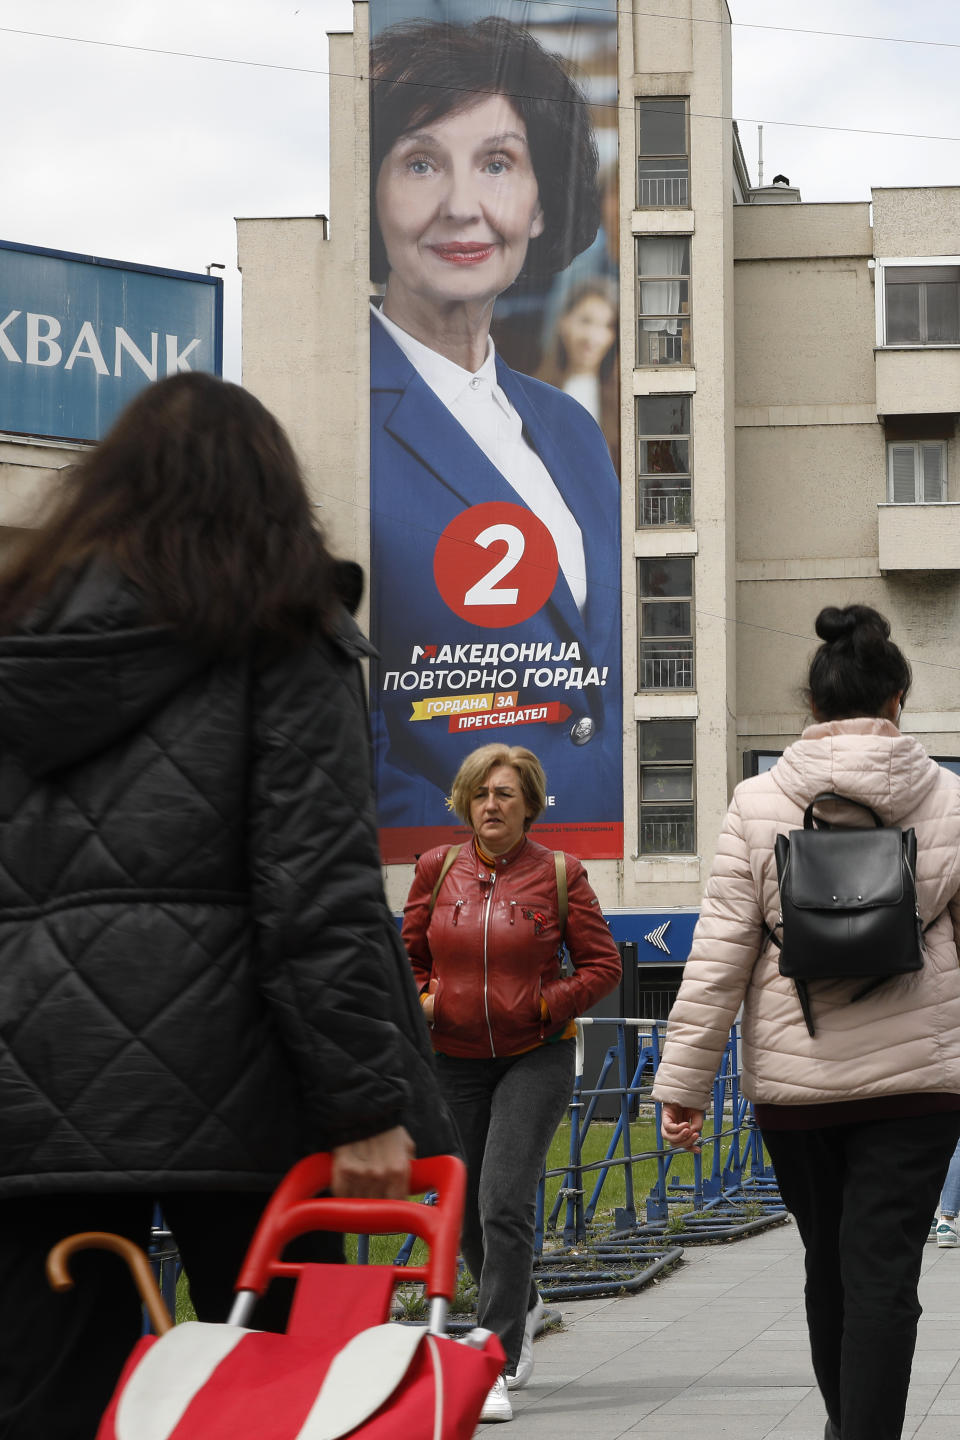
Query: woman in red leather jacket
[{"x": 485, "y": 946}]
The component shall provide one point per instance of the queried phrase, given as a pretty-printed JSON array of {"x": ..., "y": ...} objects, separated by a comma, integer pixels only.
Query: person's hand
[
  {"x": 681, "y": 1126},
  {"x": 377, "y": 1168}
]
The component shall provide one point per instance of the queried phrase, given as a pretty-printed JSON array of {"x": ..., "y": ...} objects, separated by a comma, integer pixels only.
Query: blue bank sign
[{"x": 79, "y": 336}]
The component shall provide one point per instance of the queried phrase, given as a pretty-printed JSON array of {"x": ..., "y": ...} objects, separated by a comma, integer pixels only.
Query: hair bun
[
  {"x": 834, "y": 624},
  {"x": 853, "y": 621}
]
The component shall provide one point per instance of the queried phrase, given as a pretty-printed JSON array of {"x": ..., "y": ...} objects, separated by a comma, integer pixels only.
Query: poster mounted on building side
[{"x": 494, "y": 410}]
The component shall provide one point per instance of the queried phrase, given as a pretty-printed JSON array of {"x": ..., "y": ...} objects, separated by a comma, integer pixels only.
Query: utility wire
[
  {"x": 545, "y": 4},
  {"x": 593, "y": 104}
]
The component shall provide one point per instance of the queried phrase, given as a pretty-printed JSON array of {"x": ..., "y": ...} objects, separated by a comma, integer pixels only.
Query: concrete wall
[
  {"x": 916, "y": 221},
  {"x": 305, "y": 329},
  {"x": 685, "y": 50},
  {"x": 813, "y": 524}
]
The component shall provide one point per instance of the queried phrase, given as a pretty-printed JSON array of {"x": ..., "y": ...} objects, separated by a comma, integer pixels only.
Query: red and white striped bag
[{"x": 340, "y": 1369}]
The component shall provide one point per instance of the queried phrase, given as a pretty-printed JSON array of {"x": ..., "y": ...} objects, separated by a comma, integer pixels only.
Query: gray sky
[{"x": 149, "y": 158}]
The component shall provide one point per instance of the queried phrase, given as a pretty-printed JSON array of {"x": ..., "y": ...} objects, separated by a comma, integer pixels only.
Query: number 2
[{"x": 484, "y": 591}]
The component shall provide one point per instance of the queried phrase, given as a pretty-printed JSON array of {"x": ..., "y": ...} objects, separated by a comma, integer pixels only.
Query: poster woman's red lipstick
[{"x": 463, "y": 254}]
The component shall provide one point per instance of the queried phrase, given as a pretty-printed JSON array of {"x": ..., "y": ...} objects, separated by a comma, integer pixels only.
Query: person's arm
[
  {"x": 321, "y": 939},
  {"x": 593, "y": 952},
  {"x": 416, "y": 918},
  {"x": 726, "y": 943}
]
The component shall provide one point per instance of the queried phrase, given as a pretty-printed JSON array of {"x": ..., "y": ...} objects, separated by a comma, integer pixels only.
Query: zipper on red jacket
[{"x": 488, "y": 903}]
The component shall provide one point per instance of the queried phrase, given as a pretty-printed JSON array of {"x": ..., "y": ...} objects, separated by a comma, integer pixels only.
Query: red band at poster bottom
[{"x": 588, "y": 840}]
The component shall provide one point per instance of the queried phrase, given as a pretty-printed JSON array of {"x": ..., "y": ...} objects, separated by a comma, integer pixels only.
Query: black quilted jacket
[{"x": 199, "y": 978}]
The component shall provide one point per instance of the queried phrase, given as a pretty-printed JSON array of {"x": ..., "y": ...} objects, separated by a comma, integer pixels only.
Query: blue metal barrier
[{"x": 737, "y": 1168}]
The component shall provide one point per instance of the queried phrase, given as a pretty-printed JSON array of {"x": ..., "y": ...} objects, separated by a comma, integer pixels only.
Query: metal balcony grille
[{"x": 666, "y": 664}]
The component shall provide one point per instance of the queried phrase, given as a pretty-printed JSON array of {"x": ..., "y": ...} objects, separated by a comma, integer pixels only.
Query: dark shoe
[{"x": 831, "y": 1431}]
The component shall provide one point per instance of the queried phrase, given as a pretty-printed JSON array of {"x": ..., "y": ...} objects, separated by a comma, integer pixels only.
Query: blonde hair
[{"x": 477, "y": 766}]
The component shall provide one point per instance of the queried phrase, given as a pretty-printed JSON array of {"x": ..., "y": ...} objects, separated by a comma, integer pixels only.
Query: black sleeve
[{"x": 326, "y": 960}]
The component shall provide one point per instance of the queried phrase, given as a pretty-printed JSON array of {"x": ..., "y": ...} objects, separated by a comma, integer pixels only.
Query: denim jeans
[
  {"x": 507, "y": 1111},
  {"x": 862, "y": 1196},
  {"x": 950, "y": 1195}
]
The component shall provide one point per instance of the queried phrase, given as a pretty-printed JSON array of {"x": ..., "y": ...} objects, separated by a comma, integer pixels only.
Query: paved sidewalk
[{"x": 718, "y": 1351}]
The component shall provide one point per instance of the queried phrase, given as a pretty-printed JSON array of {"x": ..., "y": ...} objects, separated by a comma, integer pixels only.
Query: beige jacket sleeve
[{"x": 727, "y": 941}]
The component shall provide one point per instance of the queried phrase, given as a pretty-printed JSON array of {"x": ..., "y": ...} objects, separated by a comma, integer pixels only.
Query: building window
[
  {"x": 663, "y": 460},
  {"x": 666, "y": 787},
  {"x": 663, "y": 166},
  {"x": 917, "y": 472},
  {"x": 666, "y": 622},
  {"x": 663, "y": 300},
  {"x": 921, "y": 304}
]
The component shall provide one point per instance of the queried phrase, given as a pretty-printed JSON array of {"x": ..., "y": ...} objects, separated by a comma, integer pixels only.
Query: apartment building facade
[{"x": 680, "y": 173}]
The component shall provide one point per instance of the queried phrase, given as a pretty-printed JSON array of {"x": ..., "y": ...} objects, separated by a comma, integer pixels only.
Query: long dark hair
[
  {"x": 197, "y": 496},
  {"x": 858, "y": 668}
]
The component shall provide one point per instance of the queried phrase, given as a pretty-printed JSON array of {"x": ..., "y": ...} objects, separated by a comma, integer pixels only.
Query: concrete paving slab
[{"x": 718, "y": 1350}]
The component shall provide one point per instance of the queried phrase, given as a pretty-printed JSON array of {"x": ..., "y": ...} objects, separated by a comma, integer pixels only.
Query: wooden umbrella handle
[{"x": 58, "y": 1270}]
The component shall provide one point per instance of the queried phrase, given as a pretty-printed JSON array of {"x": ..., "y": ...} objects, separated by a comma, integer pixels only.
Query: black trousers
[
  {"x": 862, "y": 1196},
  {"x": 507, "y": 1111},
  {"x": 61, "y": 1355}
]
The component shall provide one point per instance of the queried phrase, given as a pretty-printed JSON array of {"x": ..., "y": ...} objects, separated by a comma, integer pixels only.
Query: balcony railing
[
  {"x": 663, "y": 505},
  {"x": 667, "y": 836},
  {"x": 666, "y": 664},
  {"x": 654, "y": 191},
  {"x": 666, "y": 346}
]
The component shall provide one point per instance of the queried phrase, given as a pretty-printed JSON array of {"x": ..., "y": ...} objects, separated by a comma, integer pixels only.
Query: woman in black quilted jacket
[{"x": 199, "y": 978}]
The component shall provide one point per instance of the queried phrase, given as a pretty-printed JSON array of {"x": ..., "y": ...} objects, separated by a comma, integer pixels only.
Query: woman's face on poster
[
  {"x": 458, "y": 204},
  {"x": 588, "y": 330}
]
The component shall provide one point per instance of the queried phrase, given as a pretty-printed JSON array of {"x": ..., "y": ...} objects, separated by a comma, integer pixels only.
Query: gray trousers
[{"x": 507, "y": 1112}]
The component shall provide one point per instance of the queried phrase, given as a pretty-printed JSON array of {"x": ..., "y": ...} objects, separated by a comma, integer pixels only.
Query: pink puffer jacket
[{"x": 903, "y": 1038}]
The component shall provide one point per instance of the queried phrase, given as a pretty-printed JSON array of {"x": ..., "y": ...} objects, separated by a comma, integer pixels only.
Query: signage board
[
  {"x": 494, "y": 410},
  {"x": 80, "y": 335}
]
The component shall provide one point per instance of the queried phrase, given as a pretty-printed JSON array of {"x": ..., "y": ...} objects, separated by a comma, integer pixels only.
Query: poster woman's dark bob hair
[{"x": 423, "y": 70}]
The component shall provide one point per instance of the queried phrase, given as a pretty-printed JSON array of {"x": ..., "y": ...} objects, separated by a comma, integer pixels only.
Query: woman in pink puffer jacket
[{"x": 860, "y": 1119}]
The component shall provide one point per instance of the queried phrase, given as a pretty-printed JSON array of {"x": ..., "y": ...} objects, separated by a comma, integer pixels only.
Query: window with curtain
[
  {"x": 663, "y": 300},
  {"x": 663, "y": 166},
  {"x": 916, "y": 472},
  {"x": 666, "y": 764},
  {"x": 664, "y": 476}
]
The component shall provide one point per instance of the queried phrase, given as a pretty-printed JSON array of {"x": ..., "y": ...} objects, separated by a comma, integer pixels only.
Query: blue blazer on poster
[{"x": 424, "y": 471}]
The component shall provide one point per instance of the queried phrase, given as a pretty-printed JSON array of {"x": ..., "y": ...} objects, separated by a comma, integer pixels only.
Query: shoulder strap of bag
[
  {"x": 560, "y": 862},
  {"x": 448, "y": 859},
  {"x": 560, "y": 865}
]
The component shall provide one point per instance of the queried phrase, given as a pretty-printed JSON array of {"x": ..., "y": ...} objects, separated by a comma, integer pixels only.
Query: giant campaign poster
[{"x": 494, "y": 410}]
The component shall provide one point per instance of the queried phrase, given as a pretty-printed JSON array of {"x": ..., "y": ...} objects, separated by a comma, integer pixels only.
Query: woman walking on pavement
[
  {"x": 860, "y": 1119},
  {"x": 484, "y": 928},
  {"x": 200, "y": 981}
]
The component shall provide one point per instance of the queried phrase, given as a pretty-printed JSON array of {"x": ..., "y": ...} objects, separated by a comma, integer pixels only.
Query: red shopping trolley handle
[{"x": 294, "y": 1210}]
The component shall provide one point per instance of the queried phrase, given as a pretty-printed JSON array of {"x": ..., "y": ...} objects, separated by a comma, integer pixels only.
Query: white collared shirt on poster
[{"x": 478, "y": 403}]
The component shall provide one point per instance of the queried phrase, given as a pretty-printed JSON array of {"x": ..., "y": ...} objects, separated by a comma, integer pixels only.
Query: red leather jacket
[{"x": 491, "y": 949}]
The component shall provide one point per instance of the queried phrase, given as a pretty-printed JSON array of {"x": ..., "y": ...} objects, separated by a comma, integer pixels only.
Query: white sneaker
[
  {"x": 532, "y": 1326},
  {"x": 947, "y": 1237},
  {"x": 497, "y": 1404},
  {"x": 932, "y": 1232}
]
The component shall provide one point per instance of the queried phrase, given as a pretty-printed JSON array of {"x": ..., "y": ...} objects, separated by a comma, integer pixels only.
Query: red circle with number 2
[{"x": 495, "y": 564}]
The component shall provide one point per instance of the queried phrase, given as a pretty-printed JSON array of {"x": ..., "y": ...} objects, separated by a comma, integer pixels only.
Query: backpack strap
[
  {"x": 560, "y": 866},
  {"x": 560, "y": 863},
  {"x": 448, "y": 859},
  {"x": 832, "y": 795}
]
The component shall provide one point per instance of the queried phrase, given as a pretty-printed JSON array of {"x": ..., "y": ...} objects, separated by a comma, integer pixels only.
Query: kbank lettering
[{"x": 27, "y": 338}]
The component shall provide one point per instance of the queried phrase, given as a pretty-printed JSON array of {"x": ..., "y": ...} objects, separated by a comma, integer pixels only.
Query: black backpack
[{"x": 848, "y": 903}]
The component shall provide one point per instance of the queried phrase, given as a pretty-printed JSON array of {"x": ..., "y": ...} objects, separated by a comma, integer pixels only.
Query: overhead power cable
[
  {"x": 594, "y": 104},
  {"x": 547, "y": 5}
]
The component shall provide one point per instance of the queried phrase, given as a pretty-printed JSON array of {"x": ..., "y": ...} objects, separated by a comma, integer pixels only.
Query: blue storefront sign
[
  {"x": 80, "y": 335},
  {"x": 662, "y": 937}
]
